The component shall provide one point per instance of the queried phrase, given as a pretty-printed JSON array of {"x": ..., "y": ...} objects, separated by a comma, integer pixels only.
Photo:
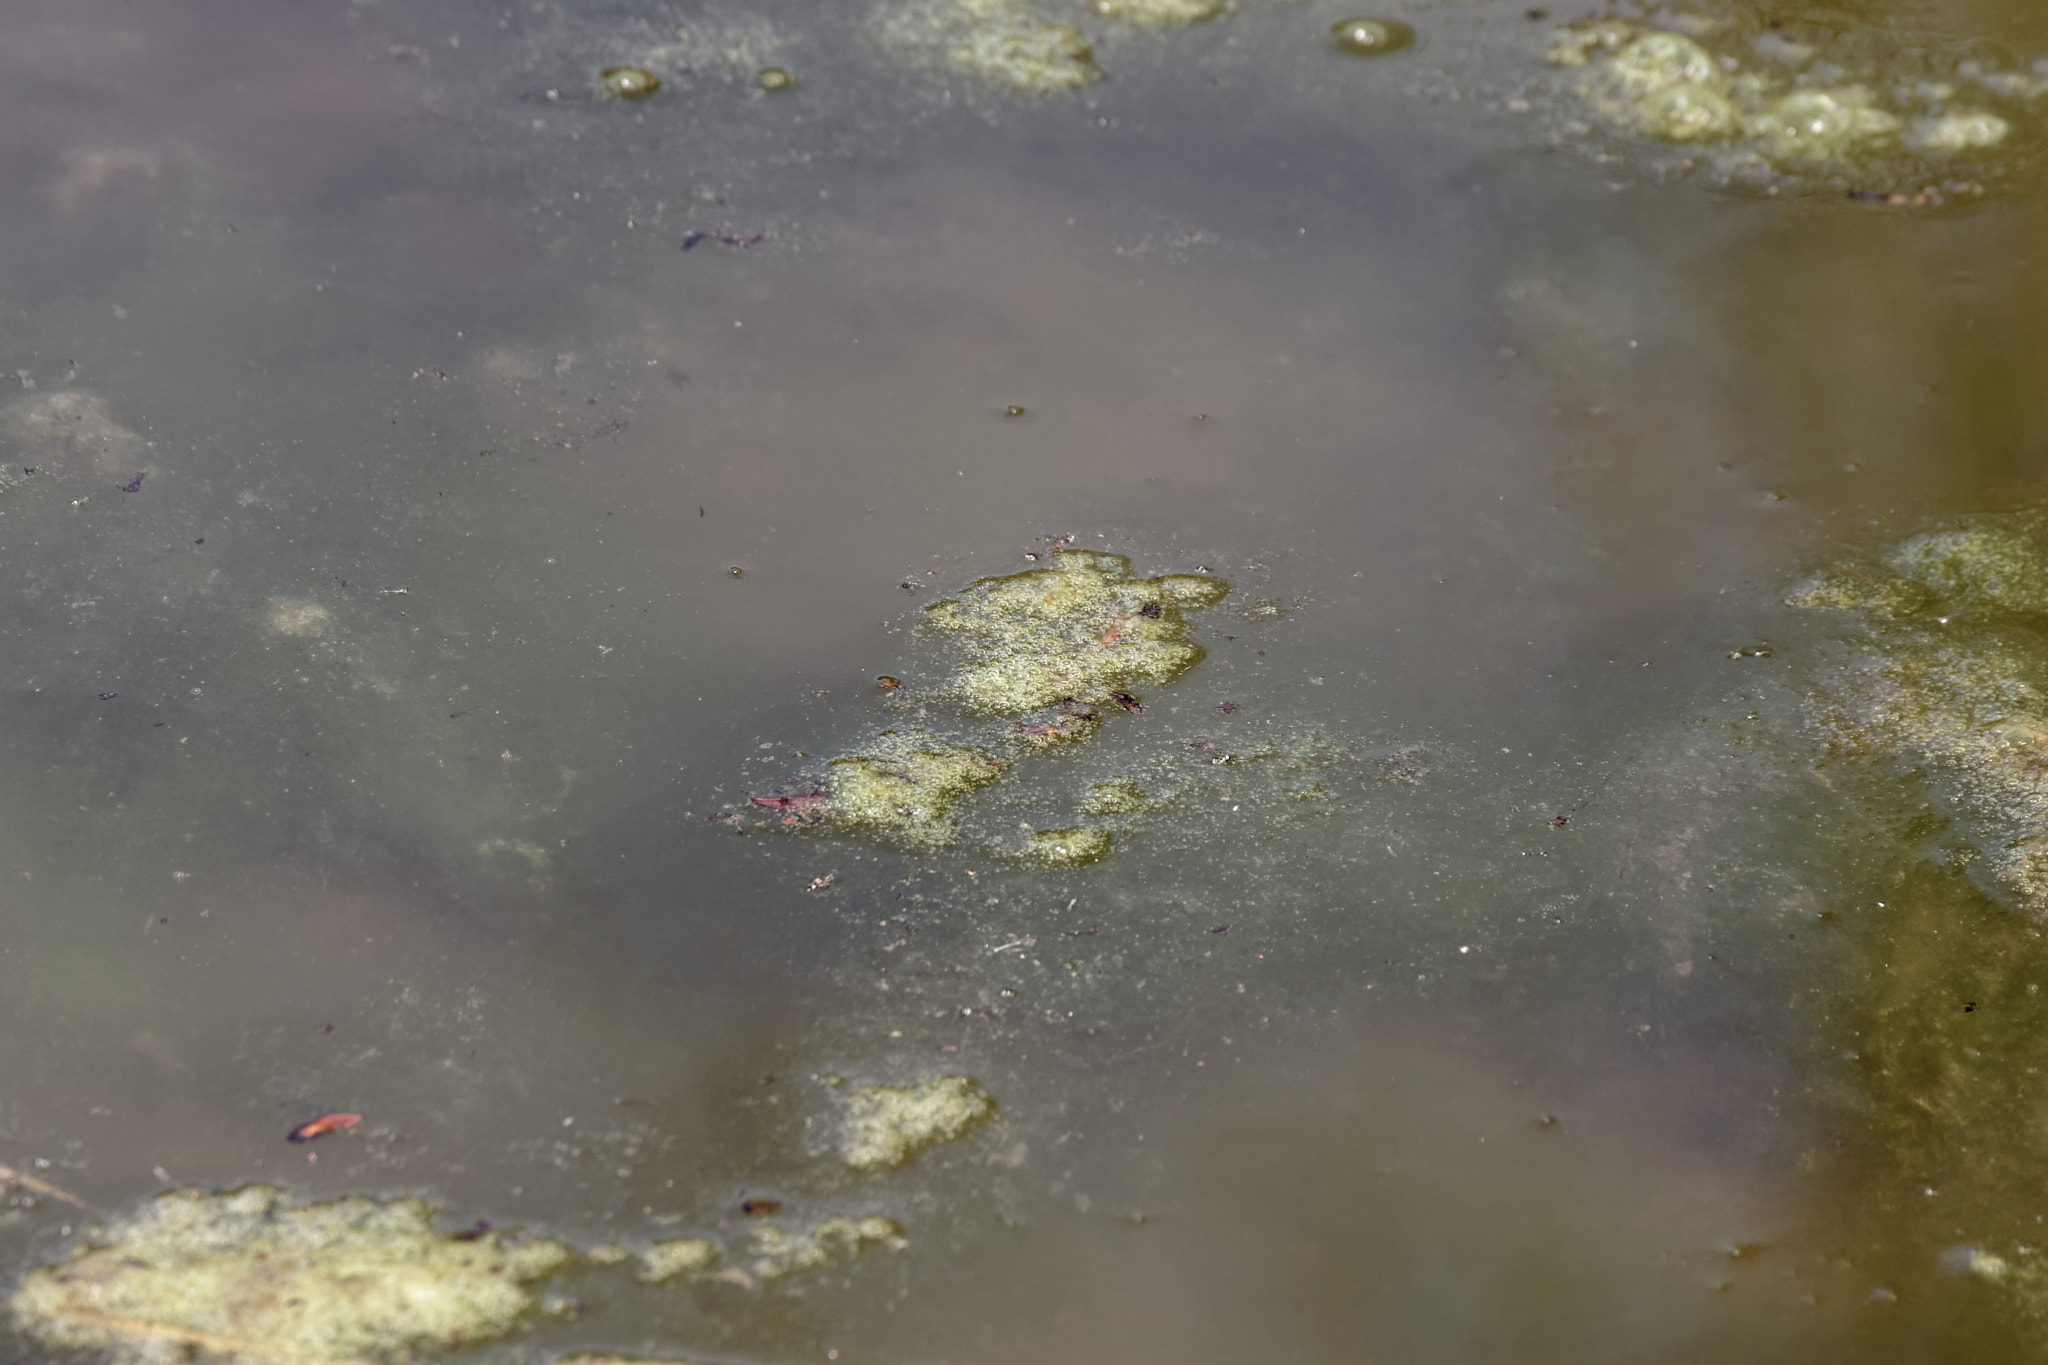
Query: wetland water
[{"x": 439, "y": 495}]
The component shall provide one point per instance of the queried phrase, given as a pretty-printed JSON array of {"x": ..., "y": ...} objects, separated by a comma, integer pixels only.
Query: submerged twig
[
  {"x": 10, "y": 1177},
  {"x": 191, "y": 1336}
]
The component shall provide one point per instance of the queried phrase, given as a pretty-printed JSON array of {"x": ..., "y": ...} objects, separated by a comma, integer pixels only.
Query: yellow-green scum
[
  {"x": 1081, "y": 629},
  {"x": 1950, "y": 676},
  {"x": 246, "y": 1275},
  {"x": 777, "y": 1252},
  {"x": 883, "y": 1126},
  {"x": 906, "y": 786},
  {"x": 1007, "y": 41},
  {"x": 1074, "y": 846},
  {"x": 676, "y": 1256}
]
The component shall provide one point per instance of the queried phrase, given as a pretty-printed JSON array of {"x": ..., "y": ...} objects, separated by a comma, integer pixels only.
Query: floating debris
[
  {"x": 11, "y": 1179},
  {"x": 628, "y": 82},
  {"x": 883, "y": 1126},
  {"x": 772, "y": 78},
  {"x": 248, "y": 1274},
  {"x": 1059, "y": 727},
  {"x": 1371, "y": 37}
]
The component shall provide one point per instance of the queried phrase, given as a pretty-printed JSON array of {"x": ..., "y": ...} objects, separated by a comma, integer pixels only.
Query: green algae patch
[
  {"x": 1115, "y": 797},
  {"x": 1007, "y": 42},
  {"x": 906, "y": 787},
  {"x": 665, "y": 1260},
  {"x": 1861, "y": 108},
  {"x": 250, "y": 1276},
  {"x": 1074, "y": 846},
  {"x": 1955, "y": 691},
  {"x": 884, "y": 1126},
  {"x": 1028, "y": 665},
  {"x": 1863, "y": 588},
  {"x": 1978, "y": 569},
  {"x": 1079, "y": 630},
  {"x": 775, "y": 1252},
  {"x": 1160, "y": 12}
]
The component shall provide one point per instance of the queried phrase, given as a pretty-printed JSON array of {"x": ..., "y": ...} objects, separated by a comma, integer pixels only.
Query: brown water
[{"x": 364, "y": 756}]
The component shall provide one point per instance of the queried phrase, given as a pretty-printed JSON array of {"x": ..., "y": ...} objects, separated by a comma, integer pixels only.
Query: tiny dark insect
[
  {"x": 700, "y": 511},
  {"x": 472, "y": 1232},
  {"x": 28, "y": 469},
  {"x": 323, "y": 1028},
  {"x": 1226, "y": 707},
  {"x": 1559, "y": 821},
  {"x": 1128, "y": 702},
  {"x": 1970, "y": 1008},
  {"x": 759, "y": 1208},
  {"x": 108, "y": 696},
  {"x": 1083, "y": 933},
  {"x": 134, "y": 485},
  {"x": 1151, "y": 611},
  {"x": 691, "y": 239},
  {"x": 767, "y": 1080},
  {"x": 1220, "y": 929}
]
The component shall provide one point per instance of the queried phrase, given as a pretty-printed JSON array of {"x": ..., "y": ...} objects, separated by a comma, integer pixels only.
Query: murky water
[{"x": 439, "y": 496}]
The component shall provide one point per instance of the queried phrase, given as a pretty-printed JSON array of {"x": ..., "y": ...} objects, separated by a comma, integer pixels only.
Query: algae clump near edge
[
  {"x": 1007, "y": 41},
  {"x": 1949, "y": 678},
  {"x": 1077, "y": 630},
  {"x": 907, "y": 786},
  {"x": 248, "y": 1275},
  {"x": 885, "y": 1125}
]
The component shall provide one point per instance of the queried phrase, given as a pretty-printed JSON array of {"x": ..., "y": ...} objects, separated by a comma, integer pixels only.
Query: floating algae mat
[
  {"x": 1947, "y": 673},
  {"x": 883, "y": 1126},
  {"x": 1040, "y": 660},
  {"x": 1079, "y": 631},
  {"x": 248, "y": 1276},
  {"x": 1785, "y": 105}
]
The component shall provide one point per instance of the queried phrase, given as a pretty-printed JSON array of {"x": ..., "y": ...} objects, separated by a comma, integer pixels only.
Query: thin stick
[
  {"x": 166, "y": 1331},
  {"x": 10, "y": 1176}
]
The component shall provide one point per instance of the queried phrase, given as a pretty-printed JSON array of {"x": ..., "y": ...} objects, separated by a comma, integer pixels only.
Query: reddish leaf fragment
[{"x": 320, "y": 1127}]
